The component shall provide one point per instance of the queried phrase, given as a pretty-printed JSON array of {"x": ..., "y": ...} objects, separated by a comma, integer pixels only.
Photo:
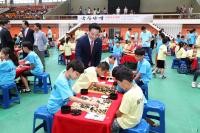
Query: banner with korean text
[{"x": 116, "y": 19}]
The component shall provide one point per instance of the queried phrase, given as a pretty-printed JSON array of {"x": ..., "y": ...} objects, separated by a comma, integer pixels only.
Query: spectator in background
[
  {"x": 94, "y": 11},
  {"x": 98, "y": 11},
  {"x": 125, "y": 10},
  {"x": 40, "y": 42},
  {"x": 81, "y": 10},
  {"x": 5, "y": 36},
  {"x": 89, "y": 11},
  {"x": 146, "y": 37},
  {"x": 50, "y": 35},
  {"x": 118, "y": 10},
  {"x": 190, "y": 10},
  {"x": 128, "y": 35},
  {"x": 105, "y": 11}
]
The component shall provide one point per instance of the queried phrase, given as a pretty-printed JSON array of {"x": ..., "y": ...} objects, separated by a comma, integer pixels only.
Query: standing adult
[
  {"x": 50, "y": 36},
  {"x": 89, "y": 46},
  {"x": 6, "y": 38},
  {"x": 40, "y": 42},
  {"x": 27, "y": 35},
  {"x": 146, "y": 37},
  {"x": 128, "y": 35}
]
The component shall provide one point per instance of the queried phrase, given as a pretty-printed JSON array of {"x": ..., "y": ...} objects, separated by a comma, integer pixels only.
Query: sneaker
[
  {"x": 154, "y": 74},
  {"x": 198, "y": 86},
  {"x": 194, "y": 84},
  {"x": 163, "y": 77}
]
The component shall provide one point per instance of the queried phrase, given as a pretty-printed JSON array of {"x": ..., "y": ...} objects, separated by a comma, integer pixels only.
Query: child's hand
[{"x": 94, "y": 104}]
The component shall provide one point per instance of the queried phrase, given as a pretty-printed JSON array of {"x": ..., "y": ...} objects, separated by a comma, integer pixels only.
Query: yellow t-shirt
[
  {"x": 132, "y": 108},
  {"x": 161, "y": 52},
  {"x": 172, "y": 45},
  {"x": 181, "y": 53},
  {"x": 84, "y": 81},
  {"x": 189, "y": 53},
  {"x": 68, "y": 51}
]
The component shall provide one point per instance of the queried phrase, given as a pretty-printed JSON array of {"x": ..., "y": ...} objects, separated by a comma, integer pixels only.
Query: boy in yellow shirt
[
  {"x": 131, "y": 108},
  {"x": 161, "y": 59},
  {"x": 90, "y": 77}
]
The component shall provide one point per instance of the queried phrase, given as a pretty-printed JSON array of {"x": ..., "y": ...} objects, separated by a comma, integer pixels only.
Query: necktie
[{"x": 91, "y": 46}]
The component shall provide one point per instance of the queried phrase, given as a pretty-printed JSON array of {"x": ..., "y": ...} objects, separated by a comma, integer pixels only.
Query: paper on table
[{"x": 94, "y": 116}]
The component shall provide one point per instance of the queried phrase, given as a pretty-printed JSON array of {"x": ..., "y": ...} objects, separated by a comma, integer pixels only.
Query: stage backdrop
[{"x": 130, "y": 4}]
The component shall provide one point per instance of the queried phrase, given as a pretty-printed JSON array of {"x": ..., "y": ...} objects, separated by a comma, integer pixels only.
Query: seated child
[
  {"x": 8, "y": 63},
  {"x": 35, "y": 63},
  {"x": 111, "y": 60},
  {"x": 117, "y": 51},
  {"x": 180, "y": 51},
  {"x": 172, "y": 46},
  {"x": 110, "y": 44},
  {"x": 62, "y": 91},
  {"x": 127, "y": 47},
  {"x": 131, "y": 108},
  {"x": 90, "y": 77},
  {"x": 144, "y": 72}
]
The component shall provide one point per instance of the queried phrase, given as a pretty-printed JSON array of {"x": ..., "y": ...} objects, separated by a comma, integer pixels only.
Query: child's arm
[
  {"x": 119, "y": 114},
  {"x": 137, "y": 77},
  {"x": 78, "y": 100}
]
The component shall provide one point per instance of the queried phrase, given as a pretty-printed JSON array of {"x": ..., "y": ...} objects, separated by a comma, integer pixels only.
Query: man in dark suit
[
  {"x": 5, "y": 36},
  {"x": 27, "y": 34},
  {"x": 89, "y": 47}
]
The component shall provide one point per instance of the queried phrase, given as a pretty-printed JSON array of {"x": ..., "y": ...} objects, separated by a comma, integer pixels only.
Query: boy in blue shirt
[
  {"x": 144, "y": 72},
  {"x": 8, "y": 65},
  {"x": 62, "y": 91},
  {"x": 36, "y": 65},
  {"x": 117, "y": 51}
]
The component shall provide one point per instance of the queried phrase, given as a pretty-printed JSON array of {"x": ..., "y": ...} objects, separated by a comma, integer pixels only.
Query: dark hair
[
  {"x": 129, "y": 29},
  {"x": 27, "y": 44},
  {"x": 182, "y": 36},
  {"x": 111, "y": 56},
  {"x": 94, "y": 26},
  {"x": 125, "y": 74},
  {"x": 165, "y": 40},
  {"x": 49, "y": 27},
  {"x": 162, "y": 35},
  {"x": 5, "y": 21},
  {"x": 76, "y": 65},
  {"x": 143, "y": 28},
  {"x": 178, "y": 36},
  {"x": 140, "y": 51},
  {"x": 1, "y": 22},
  {"x": 11, "y": 54},
  {"x": 38, "y": 25},
  {"x": 104, "y": 66},
  {"x": 181, "y": 44},
  {"x": 115, "y": 71},
  {"x": 26, "y": 23}
]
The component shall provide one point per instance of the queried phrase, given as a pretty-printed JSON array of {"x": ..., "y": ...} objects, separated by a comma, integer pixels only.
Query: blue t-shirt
[
  {"x": 33, "y": 58},
  {"x": 159, "y": 43},
  {"x": 146, "y": 36},
  {"x": 115, "y": 40},
  {"x": 110, "y": 42},
  {"x": 191, "y": 38},
  {"x": 144, "y": 68},
  {"x": 127, "y": 37},
  {"x": 117, "y": 50},
  {"x": 7, "y": 72},
  {"x": 60, "y": 94},
  {"x": 178, "y": 40}
]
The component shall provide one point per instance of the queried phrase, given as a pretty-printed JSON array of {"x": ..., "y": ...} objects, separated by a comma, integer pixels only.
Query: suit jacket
[
  {"x": 6, "y": 39},
  {"x": 83, "y": 51},
  {"x": 29, "y": 36}
]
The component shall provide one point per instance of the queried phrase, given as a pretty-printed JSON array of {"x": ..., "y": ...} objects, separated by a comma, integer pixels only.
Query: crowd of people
[
  {"x": 185, "y": 12},
  {"x": 90, "y": 11}
]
